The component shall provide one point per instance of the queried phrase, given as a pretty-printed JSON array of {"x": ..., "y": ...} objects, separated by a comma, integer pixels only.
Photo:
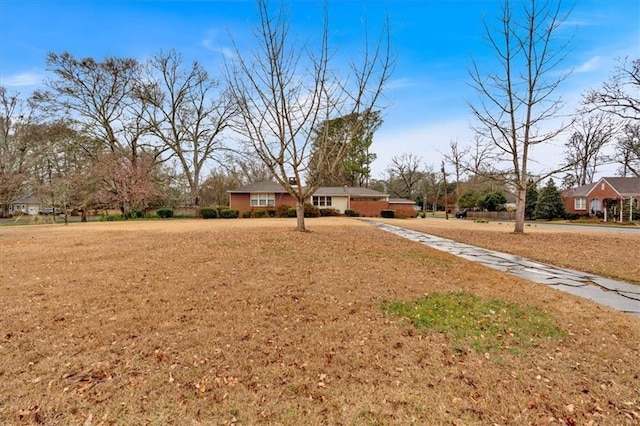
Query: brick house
[
  {"x": 367, "y": 202},
  {"x": 612, "y": 198}
]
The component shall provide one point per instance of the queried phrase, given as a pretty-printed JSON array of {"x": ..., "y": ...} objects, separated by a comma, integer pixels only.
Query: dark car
[
  {"x": 460, "y": 214},
  {"x": 50, "y": 210}
]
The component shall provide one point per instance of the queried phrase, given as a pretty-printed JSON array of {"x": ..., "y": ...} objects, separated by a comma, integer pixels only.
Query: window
[
  {"x": 580, "y": 203},
  {"x": 263, "y": 200},
  {"x": 322, "y": 201}
]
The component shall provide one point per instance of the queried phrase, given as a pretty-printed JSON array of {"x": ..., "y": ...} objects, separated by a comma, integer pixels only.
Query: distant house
[
  {"x": 612, "y": 198},
  {"x": 26, "y": 205},
  {"x": 367, "y": 202}
]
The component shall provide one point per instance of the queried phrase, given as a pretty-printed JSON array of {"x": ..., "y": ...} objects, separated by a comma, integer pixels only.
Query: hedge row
[
  {"x": 218, "y": 212},
  {"x": 280, "y": 211}
]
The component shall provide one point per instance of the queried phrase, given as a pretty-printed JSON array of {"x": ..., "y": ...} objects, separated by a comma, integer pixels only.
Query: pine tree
[
  {"x": 550, "y": 204},
  {"x": 532, "y": 200}
]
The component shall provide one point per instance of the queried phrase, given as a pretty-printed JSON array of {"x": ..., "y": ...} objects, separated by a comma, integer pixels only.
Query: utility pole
[{"x": 444, "y": 179}]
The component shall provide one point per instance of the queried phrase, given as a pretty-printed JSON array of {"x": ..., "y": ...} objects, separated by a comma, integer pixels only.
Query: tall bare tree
[
  {"x": 101, "y": 97},
  {"x": 628, "y": 150},
  {"x": 457, "y": 157},
  {"x": 583, "y": 150},
  {"x": 620, "y": 95},
  {"x": 17, "y": 116},
  {"x": 406, "y": 174},
  {"x": 516, "y": 104},
  {"x": 285, "y": 88},
  {"x": 187, "y": 111}
]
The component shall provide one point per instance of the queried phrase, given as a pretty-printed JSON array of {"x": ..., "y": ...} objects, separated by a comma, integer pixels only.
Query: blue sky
[{"x": 434, "y": 42}]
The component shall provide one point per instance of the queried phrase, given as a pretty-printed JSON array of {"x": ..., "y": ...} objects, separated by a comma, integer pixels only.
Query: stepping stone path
[{"x": 616, "y": 294}]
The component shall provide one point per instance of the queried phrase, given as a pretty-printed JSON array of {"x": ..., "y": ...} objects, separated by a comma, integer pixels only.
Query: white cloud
[
  {"x": 227, "y": 52},
  {"x": 22, "y": 79},
  {"x": 400, "y": 83},
  {"x": 589, "y": 65}
]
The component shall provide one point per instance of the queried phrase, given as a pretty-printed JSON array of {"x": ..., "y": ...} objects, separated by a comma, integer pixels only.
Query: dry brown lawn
[{"x": 194, "y": 322}]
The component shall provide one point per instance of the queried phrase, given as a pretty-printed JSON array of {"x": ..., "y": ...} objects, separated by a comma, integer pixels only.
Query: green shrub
[
  {"x": 259, "y": 214},
  {"x": 574, "y": 216},
  {"x": 229, "y": 214},
  {"x": 388, "y": 214},
  {"x": 209, "y": 213},
  {"x": 164, "y": 213},
  {"x": 246, "y": 214},
  {"x": 329, "y": 212},
  {"x": 351, "y": 213},
  {"x": 311, "y": 211},
  {"x": 292, "y": 212},
  {"x": 135, "y": 214}
]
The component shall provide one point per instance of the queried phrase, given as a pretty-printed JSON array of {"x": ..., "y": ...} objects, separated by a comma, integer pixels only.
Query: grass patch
[{"x": 482, "y": 324}]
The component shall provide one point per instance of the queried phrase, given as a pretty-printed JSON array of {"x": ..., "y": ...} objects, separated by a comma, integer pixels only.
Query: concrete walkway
[{"x": 616, "y": 294}]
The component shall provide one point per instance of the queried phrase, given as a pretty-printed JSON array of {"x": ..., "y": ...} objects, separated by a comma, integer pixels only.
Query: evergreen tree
[
  {"x": 493, "y": 201},
  {"x": 550, "y": 204},
  {"x": 532, "y": 200},
  {"x": 354, "y": 130}
]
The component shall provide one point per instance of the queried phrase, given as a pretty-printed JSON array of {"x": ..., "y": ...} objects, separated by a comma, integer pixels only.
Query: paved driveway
[{"x": 616, "y": 294}]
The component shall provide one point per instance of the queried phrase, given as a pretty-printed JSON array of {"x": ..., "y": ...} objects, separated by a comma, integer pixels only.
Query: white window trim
[
  {"x": 262, "y": 199},
  {"x": 322, "y": 200},
  {"x": 580, "y": 203}
]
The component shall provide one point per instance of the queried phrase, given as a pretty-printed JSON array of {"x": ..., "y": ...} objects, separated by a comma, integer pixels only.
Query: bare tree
[
  {"x": 516, "y": 104},
  {"x": 457, "y": 157},
  {"x": 406, "y": 173},
  {"x": 17, "y": 116},
  {"x": 286, "y": 88},
  {"x": 583, "y": 150},
  {"x": 98, "y": 95},
  {"x": 620, "y": 95},
  {"x": 101, "y": 97},
  {"x": 480, "y": 153},
  {"x": 628, "y": 150},
  {"x": 186, "y": 111}
]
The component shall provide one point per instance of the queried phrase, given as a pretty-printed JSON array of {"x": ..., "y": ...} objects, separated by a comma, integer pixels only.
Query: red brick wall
[
  {"x": 569, "y": 205},
  {"x": 239, "y": 202},
  {"x": 242, "y": 202},
  {"x": 403, "y": 210},
  {"x": 369, "y": 208}
]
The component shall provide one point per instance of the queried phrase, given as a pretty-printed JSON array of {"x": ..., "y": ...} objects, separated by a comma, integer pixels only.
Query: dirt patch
[{"x": 248, "y": 321}]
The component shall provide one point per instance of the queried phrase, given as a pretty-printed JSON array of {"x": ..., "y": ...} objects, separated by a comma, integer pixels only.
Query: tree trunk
[
  {"x": 300, "y": 215},
  {"x": 520, "y": 207}
]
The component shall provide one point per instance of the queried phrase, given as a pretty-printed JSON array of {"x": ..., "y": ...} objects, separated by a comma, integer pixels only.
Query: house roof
[
  {"x": 268, "y": 186},
  {"x": 353, "y": 191},
  {"x": 265, "y": 186},
  {"x": 27, "y": 199},
  {"x": 624, "y": 185},
  {"x": 579, "y": 191},
  {"x": 401, "y": 201}
]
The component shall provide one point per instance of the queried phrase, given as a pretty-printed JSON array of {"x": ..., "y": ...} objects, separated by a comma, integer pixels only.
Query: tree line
[{"x": 164, "y": 132}]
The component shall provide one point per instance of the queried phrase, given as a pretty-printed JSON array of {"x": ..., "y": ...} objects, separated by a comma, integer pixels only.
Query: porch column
[{"x": 621, "y": 208}]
